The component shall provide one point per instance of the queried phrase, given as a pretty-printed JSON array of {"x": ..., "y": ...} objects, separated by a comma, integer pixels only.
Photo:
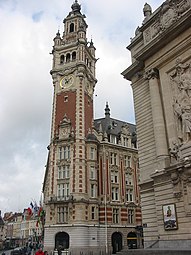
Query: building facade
[
  {"x": 161, "y": 80},
  {"x": 91, "y": 195}
]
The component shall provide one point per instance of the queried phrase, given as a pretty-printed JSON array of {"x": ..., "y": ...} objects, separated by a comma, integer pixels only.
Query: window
[
  {"x": 130, "y": 216},
  {"x": 113, "y": 158},
  {"x": 113, "y": 139},
  {"x": 71, "y": 27},
  {"x": 66, "y": 171},
  {"x": 92, "y": 153},
  {"x": 63, "y": 190},
  {"x": 62, "y": 213},
  {"x": 62, "y": 59},
  {"x": 68, "y": 57},
  {"x": 93, "y": 213},
  {"x": 92, "y": 173},
  {"x": 128, "y": 179},
  {"x": 73, "y": 56},
  {"x": 127, "y": 161},
  {"x": 64, "y": 152},
  {"x": 115, "y": 193},
  {"x": 63, "y": 172},
  {"x": 129, "y": 195},
  {"x": 125, "y": 141},
  {"x": 114, "y": 177},
  {"x": 115, "y": 215},
  {"x": 66, "y": 99},
  {"x": 93, "y": 190}
]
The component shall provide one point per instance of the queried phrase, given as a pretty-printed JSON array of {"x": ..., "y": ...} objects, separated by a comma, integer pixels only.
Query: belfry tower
[{"x": 66, "y": 190}]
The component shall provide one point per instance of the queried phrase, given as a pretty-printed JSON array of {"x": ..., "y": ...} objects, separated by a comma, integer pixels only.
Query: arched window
[
  {"x": 73, "y": 56},
  {"x": 62, "y": 59},
  {"x": 71, "y": 27},
  {"x": 68, "y": 57}
]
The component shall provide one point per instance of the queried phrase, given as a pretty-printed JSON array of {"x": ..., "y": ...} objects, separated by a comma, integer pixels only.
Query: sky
[{"x": 27, "y": 31}]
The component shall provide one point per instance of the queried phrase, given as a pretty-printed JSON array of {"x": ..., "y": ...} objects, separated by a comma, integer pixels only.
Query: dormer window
[
  {"x": 113, "y": 139},
  {"x": 71, "y": 27}
]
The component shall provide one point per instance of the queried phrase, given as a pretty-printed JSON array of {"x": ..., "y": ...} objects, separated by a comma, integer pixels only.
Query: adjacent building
[
  {"x": 161, "y": 80},
  {"x": 91, "y": 194}
]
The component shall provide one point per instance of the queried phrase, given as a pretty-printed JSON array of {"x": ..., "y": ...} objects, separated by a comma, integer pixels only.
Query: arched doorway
[
  {"x": 116, "y": 242},
  {"x": 132, "y": 240},
  {"x": 62, "y": 241}
]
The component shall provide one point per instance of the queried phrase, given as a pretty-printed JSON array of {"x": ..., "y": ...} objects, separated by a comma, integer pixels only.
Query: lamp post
[{"x": 105, "y": 198}]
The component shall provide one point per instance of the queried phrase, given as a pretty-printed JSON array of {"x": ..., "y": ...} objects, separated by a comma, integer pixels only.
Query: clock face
[{"x": 66, "y": 81}]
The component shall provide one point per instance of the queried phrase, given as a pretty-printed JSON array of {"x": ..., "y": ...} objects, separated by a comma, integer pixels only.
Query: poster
[{"x": 169, "y": 216}]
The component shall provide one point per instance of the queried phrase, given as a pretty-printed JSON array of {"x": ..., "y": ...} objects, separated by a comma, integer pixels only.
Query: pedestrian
[{"x": 39, "y": 252}]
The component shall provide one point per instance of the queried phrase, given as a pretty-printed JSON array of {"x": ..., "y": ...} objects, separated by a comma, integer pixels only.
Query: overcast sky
[{"x": 27, "y": 31}]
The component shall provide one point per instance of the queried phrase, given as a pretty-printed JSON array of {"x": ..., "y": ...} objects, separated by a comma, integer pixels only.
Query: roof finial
[
  {"x": 76, "y": 6},
  {"x": 107, "y": 110}
]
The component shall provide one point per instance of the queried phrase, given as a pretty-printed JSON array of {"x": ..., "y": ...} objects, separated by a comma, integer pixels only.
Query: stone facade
[
  {"x": 161, "y": 81},
  {"x": 91, "y": 196}
]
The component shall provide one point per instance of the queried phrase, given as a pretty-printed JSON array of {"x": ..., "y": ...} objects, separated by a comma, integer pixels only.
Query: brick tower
[{"x": 65, "y": 183}]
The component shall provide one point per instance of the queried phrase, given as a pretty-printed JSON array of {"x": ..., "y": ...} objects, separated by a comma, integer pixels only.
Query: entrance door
[
  {"x": 132, "y": 240},
  {"x": 116, "y": 242},
  {"x": 61, "y": 241}
]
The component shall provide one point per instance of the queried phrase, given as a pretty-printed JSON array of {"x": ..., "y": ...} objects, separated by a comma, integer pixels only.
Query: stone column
[{"x": 158, "y": 118}]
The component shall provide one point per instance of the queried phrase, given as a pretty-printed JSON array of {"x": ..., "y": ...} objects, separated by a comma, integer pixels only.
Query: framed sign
[{"x": 169, "y": 217}]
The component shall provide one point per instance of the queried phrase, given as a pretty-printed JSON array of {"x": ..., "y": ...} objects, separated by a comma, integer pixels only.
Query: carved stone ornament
[
  {"x": 181, "y": 89},
  {"x": 152, "y": 74},
  {"x": 65, "y": 128},
  {"x": 175, "y": 152},
  {"x": 181, "y": 180},
  {"x": 125, "y": 130},
  {"x": 170, "y": 12}
]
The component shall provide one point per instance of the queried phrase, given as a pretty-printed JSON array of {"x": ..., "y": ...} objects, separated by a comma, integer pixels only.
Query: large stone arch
[
  {"x": 132, "y": 240},
  {"x": 62, "y": 241},
  {"x": 117, "y": 242}
]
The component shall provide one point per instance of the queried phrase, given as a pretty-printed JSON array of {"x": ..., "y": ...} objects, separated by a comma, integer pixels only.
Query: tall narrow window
[
  {"x": 62, "y": 214},
  {"x": 68, "y": 57},
  {"x": 129, "y": 195},
  {"x": 93, "y": 190},
  {"x": 127, "y": 161},
  {"x": 62, "y": 59},
  {"x": 93, "y": 213},
  {"x": 115, "y": 193},
  {"x": 92, "y": 173},
  {"x": 92, "y": 153},
  {"x": 130, "y": 216},
  {"x": 128, "y": 179},
  {"x": 73, "y": 56},
  {"x": 113, "y": 158},
  {"x": 115, "y": 215},
  {"x": 71, "y": 27}
]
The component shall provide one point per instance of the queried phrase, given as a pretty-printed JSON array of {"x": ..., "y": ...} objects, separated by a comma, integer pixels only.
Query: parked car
[{"x": 17, "y": 251}]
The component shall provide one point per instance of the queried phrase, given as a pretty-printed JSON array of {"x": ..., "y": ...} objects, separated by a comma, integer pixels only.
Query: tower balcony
[{"x": 60, "y": 199}]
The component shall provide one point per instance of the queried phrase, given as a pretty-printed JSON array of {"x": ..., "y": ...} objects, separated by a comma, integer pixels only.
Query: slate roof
[{"x": 111, "y": 125}]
